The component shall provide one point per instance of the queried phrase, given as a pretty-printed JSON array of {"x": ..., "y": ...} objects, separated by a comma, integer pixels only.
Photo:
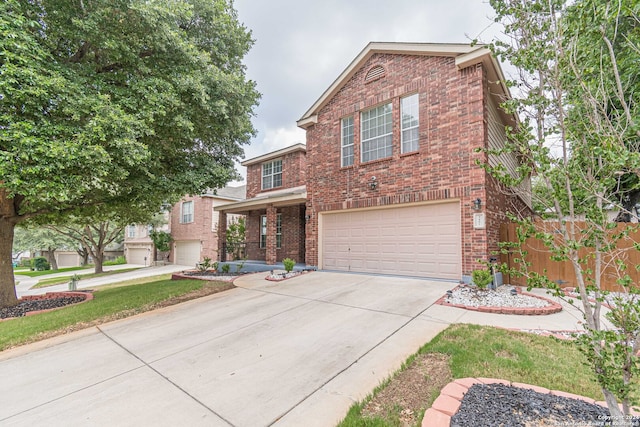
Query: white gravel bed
[
  {"x": 281, "y": 276},
  {"x": 501, "y": 297}
]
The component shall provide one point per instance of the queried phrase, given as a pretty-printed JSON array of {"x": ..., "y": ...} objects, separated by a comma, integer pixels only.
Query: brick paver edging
[
  {"x": 552, "y": 308},
  {"x": 448, "y": 403},
  {"x": 88, "y": 296}
]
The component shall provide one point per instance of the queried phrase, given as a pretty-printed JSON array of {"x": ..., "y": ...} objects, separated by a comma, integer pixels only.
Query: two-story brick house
[
  {"x": 275, "y": 206},
  {"x": 392, "y": 180}
]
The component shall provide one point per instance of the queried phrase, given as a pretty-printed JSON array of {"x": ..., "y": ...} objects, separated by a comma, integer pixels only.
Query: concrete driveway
[{"x": 293, "y": 353}]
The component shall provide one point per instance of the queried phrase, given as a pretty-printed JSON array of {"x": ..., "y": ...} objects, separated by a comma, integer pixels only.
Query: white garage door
[
  {"x": 188, "y": 253},
  {"x": 422, "y": 241},
  {"x": 137, "y": 256},
  {"x": 68, "y": 260}
]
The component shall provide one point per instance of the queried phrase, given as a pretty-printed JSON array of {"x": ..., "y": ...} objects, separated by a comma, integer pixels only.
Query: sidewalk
[{"x": 23, "y": 288}]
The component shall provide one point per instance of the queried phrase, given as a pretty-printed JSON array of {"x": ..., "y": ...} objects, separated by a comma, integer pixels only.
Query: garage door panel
[
  {"x": 187, "y": 252},
  {"x": 419, "y": 240}
]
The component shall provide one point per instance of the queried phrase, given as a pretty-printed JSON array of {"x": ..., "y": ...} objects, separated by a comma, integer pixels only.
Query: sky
[{"x": 302, "y": 46}]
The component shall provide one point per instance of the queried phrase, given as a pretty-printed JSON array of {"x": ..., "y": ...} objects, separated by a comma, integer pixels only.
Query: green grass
[
  {"x": 109, "y": 303},
  {"x": 66, "y": 279},
  {"x": 480, "y": 351},
  {"x": 46, "y": 272}
]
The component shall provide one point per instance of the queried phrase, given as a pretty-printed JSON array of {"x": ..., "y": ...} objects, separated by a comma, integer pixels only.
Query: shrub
[
  {"x": 205, "y": 264},
  {"x": 40, "y": 263},
  {"x": 481, "y": 278},
  {"x": 239, "y": 266},
  {"x": 288, "y": 264},
  {"x": 226, "y": 268},
  {"x": 118, "y": 261}
]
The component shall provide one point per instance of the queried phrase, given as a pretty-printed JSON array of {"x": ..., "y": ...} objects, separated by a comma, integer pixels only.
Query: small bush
[
  {"x": 40, "y": 264},
  {"x": 226, "y": 268},
  {"x": 239, "y": 266},
  {"x": 481, "y": 278},
  {"x": 118, "y": 261},
  {"x": 288, "y": 264},
  {"x": 205, "y": 264}
]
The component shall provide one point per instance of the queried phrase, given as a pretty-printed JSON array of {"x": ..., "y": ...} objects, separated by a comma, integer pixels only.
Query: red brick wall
[
  {"x": 199, "y": 229},
  {"x": 293, "y": 174},
  {"x": 292, "y": 234},
  {"x": 452, "y": 125}
]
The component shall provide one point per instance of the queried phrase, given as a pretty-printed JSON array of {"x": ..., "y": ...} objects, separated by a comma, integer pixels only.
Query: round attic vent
[{"x": 374, "y": 73}]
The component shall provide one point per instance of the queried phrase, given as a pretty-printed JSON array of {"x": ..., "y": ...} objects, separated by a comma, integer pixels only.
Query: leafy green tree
[
  {"x": 577, "y": 96},
  {"x": 236, "y": 237},
  {"x": 161, "y": 241},
  {"x": 118, "y": 106},
  {"x": 41, "y": 238},
  {"x": 94, "y": 238}
]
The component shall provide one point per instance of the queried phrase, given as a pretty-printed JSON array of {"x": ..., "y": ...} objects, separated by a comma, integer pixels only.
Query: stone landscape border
[
  {"x": 450, "y": 399},
  {"x": 87, "y": 295},
  {"x": 552, "y": 308}
]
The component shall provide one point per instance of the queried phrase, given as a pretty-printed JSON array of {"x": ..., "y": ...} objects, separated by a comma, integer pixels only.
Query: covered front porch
[{"x": 274, "y": 228}]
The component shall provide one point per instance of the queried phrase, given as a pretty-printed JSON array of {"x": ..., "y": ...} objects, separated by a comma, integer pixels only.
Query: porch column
[
  {"x": 222, "y": 235},
  {"x": 270, "y": 256}
]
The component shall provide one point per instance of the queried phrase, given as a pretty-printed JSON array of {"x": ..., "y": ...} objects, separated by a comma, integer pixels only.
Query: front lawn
[
  {"x": 66, "y": 279},
  {"x": 463, "y": 351},
  {"x": 47, "y": 272},
  {"x": 110, "y": 303}
]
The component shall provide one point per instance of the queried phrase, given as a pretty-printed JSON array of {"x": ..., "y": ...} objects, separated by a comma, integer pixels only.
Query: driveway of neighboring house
[{"x": 292, "y": 353}]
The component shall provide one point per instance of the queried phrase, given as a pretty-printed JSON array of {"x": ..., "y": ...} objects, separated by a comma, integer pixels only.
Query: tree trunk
[
  {"x": 98, "y": 259},
  {"x": 51, "y": 255},
  {"x": 8, "y": 295}
]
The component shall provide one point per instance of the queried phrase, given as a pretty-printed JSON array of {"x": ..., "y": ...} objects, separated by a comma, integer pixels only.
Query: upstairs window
[
  {"x": 377, "y": 133},
  {"x": 272, "y": 174},
  {"x": 131, "y": 230},
  {"x": 409, "y": 124},
  {"x": 186, "y": 214},
  {"x": 347, "y": 142}
]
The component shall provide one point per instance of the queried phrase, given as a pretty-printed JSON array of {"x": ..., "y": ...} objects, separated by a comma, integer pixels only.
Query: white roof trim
[
  {"x": 425, "y": 49},
  {"x": 298, "y": 196},
  {"x": 275, "y": 154}
]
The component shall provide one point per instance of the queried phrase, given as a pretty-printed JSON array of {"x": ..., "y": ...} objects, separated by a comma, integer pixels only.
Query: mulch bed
[{"x": 33, "y": 304}]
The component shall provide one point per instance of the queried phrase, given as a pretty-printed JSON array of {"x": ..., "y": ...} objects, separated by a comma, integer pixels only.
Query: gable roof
[
  {"x": 465, "y": 56},
  {"x": 229, "y": 193},
  {"x": 275, "y": 154}
]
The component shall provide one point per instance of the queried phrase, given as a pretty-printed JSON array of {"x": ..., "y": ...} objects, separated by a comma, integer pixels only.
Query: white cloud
[{"x": 301, "y": 47}]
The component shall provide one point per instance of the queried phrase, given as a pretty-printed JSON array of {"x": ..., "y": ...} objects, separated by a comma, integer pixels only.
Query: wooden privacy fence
[{"x": 562, "y": 272}]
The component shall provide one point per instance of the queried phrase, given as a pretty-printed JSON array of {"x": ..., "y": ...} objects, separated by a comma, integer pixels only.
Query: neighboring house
[
  {"x": 392, "y": 183},
  {"x": 194, "y": 225},
  {"x": 138, "y": 247}
]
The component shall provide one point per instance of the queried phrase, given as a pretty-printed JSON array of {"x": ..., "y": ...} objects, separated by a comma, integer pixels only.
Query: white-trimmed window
[
  {"x": 409, "y": 123},
  {"x": 272, "y": 174},
  {"x": 131, "y": 230},
  {"x": 186, "y": 212},
  {"x": 377, "y": 133},
  {"x": 263, "y": 231},
  {"x": 346, "y": 142}
]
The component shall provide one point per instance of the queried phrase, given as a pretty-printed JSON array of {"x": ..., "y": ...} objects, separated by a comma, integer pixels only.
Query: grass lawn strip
[
  {"x": 110, "y": 303},
  {"x": 47, "y": 272},
  {"x": 66, "y": 279},
  {"x": 473, "y": 351}
]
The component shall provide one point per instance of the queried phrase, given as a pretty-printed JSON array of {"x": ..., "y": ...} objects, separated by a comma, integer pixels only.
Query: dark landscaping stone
[
  {"x": 25, "y": 306},
  {"x": 490, "y": 405}
]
